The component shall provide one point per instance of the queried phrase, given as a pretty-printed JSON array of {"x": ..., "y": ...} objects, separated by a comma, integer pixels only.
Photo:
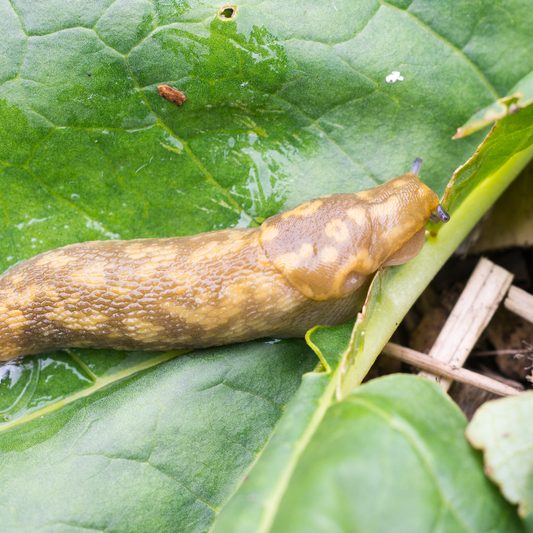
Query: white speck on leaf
[
  {"x": 94, "y": 225},
  {"x": 394, "y": 76},
  {"x": 31, "y": 222}
]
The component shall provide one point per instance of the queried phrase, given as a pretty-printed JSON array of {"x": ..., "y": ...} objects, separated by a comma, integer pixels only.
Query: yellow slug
[{"x": 299, "y": 268}]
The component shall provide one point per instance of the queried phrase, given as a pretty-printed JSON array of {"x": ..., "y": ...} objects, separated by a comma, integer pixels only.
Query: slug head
[{"x": 327, "y": 248}]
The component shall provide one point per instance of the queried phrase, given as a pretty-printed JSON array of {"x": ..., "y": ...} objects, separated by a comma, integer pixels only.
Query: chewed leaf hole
[{"x": 227, "y": 12}]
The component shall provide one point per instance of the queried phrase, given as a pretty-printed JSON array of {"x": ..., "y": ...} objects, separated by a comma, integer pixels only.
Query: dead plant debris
[
  {"x": 171, "y": 94},
  {"x": 503, "y": 353}
]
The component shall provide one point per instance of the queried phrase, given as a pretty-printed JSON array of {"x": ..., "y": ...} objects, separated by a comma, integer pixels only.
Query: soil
[{"x": 505, "y": 349}]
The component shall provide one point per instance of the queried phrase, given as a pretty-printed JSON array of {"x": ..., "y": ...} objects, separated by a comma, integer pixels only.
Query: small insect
[
  {"x": 303, "y": 267},
  {"x": 171, "y": 94}
]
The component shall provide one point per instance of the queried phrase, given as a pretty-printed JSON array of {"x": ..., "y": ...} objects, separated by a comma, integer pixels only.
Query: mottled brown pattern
[
  {"x": 154, "y": 294},
  {"x": 299, "y": 269},
  {"x": 328, "y": 247}
]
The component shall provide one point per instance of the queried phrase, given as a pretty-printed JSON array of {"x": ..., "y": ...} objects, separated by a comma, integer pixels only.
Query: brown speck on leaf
[{"x": 171, "y": 94}]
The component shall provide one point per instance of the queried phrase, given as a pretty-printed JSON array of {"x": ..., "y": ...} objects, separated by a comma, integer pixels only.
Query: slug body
[{"x": 303, "y": 267}]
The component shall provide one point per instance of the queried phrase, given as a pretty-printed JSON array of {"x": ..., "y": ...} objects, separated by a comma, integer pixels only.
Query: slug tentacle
[
  {"x": 417, "y": 164},
  {"x": 300, "y": 268}
]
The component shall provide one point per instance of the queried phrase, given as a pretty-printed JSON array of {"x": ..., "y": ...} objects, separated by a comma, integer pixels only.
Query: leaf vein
[
  {"x": 158, "y": 469},
  {"x": 402, "y": 427}
]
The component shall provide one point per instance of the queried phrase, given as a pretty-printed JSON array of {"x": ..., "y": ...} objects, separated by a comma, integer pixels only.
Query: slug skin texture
[{"x": 307, "y": 266}]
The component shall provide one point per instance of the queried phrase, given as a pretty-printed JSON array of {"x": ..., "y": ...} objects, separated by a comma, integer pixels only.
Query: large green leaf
[
  {"x": 287, "y": 101},
  {"x": 161, "y": 450},
  {"x": 392, "y": 457}
]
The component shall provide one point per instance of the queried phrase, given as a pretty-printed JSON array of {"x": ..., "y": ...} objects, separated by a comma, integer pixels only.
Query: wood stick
[
  {"x": 478, "y": 302},
  {"x": 491, "y": 353},
  {"x": 520, "y": 303},
  {"x": 423, "y": 361}
]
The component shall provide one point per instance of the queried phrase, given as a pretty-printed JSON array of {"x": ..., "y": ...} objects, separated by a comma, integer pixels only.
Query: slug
[{"x": 300, "y": 268}]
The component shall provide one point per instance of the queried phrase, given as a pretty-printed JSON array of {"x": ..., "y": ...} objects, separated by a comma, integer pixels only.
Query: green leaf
[
  {"x": 161, "y": 449},
  {"x": 285, "y": 102},
  {"x": 390, "y": 457},
  {"x": 510, "y": 223},
  {"x": 521, "y": 95},
  {"x": 528, "y": 503},
  {"x": 503, "y": 430}
]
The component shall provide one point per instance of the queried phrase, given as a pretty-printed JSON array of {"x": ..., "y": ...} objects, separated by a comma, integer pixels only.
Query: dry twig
[
  {"x": 520, "y": 303},
  {"x": 478, "y": 302},
  {"x": 434, "y": 366}
]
